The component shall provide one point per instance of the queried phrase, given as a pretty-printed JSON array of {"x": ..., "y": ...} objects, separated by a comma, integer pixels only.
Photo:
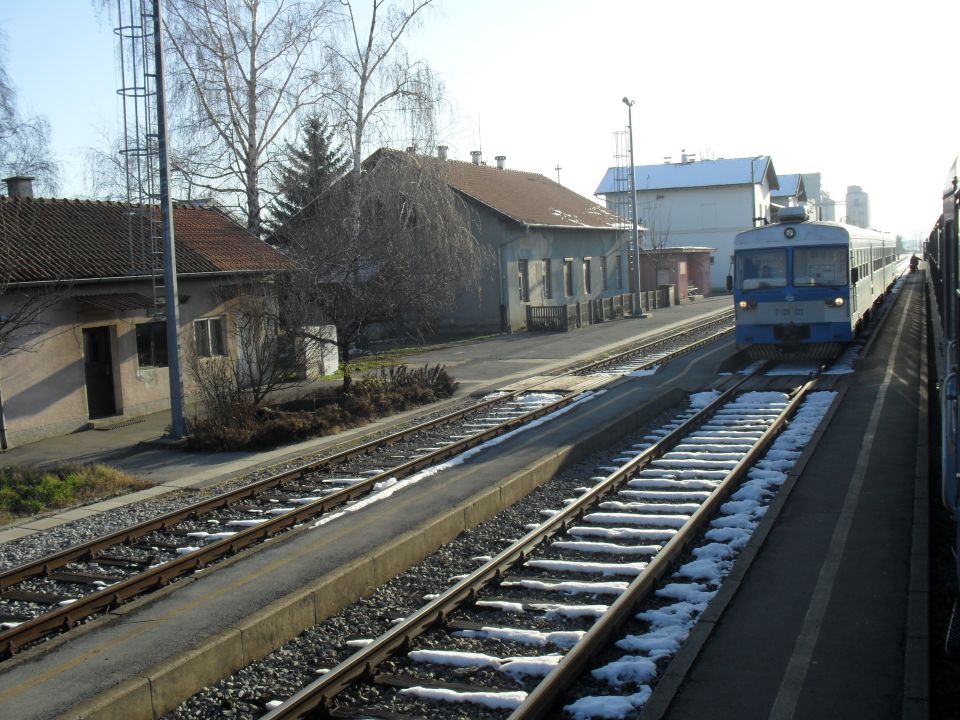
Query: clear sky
[{"x": 857, "y": 91}]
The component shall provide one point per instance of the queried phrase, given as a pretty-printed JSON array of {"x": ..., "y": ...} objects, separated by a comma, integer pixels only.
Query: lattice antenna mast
[
  {"x": 151, "y": 234},
  {"x": 139, "y": 152},
  {"x": 621, "y": 175}
]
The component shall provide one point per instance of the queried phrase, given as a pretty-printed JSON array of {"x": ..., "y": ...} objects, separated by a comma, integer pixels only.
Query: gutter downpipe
[
  {"x": 3, "y": 426},
  {"x": 500, "y": 280}
]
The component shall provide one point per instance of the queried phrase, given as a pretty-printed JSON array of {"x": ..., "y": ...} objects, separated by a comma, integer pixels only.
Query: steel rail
[
  {"x": 158, "y": 576},
  {"x": 679, "y": 332},
  {"x": 542, "y": 700},
  {"x": 316, "y": 698},
  {"x": 86, "y": 551}
]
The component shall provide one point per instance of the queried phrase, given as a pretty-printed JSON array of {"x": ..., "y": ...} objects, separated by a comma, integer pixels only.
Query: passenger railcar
[
  {"x": 942, "y": 254},
  {"x": 805, "y": 288}
]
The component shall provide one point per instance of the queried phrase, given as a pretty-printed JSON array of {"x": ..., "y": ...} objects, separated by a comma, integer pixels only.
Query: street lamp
[{"x": 634, "y": 239}]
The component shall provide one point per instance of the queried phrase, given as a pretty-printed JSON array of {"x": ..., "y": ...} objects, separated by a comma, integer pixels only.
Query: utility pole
[
  {"x": 177, "y": 421},
  {"x": 558, "y": 169},
  {"x": 635, "y": 238}
]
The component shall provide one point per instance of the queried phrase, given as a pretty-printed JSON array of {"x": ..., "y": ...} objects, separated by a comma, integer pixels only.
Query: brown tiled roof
[
  {"x": 528, "y": 198},
  {"x": 48, "y": 239}
]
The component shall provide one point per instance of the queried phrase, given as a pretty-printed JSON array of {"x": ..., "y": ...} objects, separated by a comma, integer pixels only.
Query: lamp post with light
[{"x": 634, "y": 239}]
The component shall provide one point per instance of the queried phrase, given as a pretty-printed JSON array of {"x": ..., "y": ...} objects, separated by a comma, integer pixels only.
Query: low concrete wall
[{"x": 170, "y": 683}]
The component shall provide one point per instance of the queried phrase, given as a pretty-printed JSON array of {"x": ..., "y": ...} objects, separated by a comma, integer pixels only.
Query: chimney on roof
[
  {"x": 442, "y": 152},
  {"x": 475, "y": 154},
  {"x": 501, "y": 161},
  {"x": 19, "y": 186}
]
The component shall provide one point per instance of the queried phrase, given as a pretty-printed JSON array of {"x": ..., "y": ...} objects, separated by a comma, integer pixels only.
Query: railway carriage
[
  {"x": 942, "y": 253},
  {"x": 806, "y": 288}
]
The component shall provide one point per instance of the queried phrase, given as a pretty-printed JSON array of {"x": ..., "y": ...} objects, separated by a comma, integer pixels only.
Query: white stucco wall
[
  {"x": 701, "y": 217},
  {"x": 43, "y": 385}
]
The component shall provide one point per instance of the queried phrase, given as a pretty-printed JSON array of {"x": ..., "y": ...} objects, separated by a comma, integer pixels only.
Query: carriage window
[
  {"x": 820, "y": 266},
  {"x": 761, "y": 269}
]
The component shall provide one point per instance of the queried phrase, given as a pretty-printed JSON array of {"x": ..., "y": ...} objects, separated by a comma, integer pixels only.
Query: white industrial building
[{"x": 701, "y": 203}]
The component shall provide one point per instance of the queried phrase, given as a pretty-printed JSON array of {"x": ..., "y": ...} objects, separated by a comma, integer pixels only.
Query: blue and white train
[{"x": 804, "y": 288}]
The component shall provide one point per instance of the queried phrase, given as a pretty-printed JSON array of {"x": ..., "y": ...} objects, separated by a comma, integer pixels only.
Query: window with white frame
[{"x": 208, "y": 333}]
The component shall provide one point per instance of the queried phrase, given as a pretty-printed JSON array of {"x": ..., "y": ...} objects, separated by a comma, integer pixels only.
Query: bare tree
[
  {"x": 240, "y": 72},
  {"x": 232, "y": 386},
  {"x": 24, "y": 142},
  {"x": 406, "y": 260},
  {"x": 371, "y": 77},
  {"x": 371, "y": 73},
  {"x": 656, "y": 235},
  {"x": 108, "y": 176}
]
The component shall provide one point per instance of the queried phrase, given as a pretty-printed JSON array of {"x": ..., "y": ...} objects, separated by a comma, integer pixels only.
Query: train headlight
[
  {"x": 835, "y": 302},
  {"x": 746, "y": 304}
]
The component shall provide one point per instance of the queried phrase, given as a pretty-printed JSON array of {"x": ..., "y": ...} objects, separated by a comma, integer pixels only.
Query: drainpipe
[
  {"x": 503, "y": 307},
  {"x": 3, "y": 426}
]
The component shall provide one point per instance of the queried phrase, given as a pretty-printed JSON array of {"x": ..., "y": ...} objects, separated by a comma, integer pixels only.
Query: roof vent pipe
[
  {"x": 19, "y": 186},
  {"x": 442, "y": 152},
  {"x": 475, "y": 154},
  {"x": 501, "y": 161}
]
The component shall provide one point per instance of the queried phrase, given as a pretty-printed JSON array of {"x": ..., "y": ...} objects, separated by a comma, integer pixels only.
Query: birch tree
[
  {"x": 240, "y": 73},
  {"x": 372, "y": 83},
  {"x": 24, "y": 141}
]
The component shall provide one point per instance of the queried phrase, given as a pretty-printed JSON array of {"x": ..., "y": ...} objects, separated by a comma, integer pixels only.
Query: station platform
[
  {"x": 825, "y": 612},
  {"x": 141, "y": 660},
  {"x": 480, "y": 366}
]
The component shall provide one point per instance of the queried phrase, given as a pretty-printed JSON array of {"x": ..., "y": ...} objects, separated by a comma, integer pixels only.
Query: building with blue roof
[{"x": 702, "y": 203}]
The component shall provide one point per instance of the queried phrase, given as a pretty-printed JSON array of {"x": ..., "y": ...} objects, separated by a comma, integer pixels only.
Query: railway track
[
  {"x": 662, "y": 349},
  {"x": 607, "y": 549},
  {"x": 56, "y": 592}
]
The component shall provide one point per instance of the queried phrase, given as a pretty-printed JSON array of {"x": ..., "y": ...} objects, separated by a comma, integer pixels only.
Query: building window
[
  {"x": 209, "y": 336},
  {"x": 603, "y": 272},
  {"x": 547, "y": 279},
  {"x": 523, "y": 281},
  {"x": 618, "y": 271},
  {"x": 568, "y": 277},
  {"x": 587, "y": 285},
  {"x": 152, "y": 344}
]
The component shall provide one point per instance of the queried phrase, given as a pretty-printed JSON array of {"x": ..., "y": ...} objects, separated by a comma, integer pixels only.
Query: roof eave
[{"x": 138, "y": 278}]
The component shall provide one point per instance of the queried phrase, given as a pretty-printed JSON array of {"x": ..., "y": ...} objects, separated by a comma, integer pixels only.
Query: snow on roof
[{"x": 703, "y": 173}]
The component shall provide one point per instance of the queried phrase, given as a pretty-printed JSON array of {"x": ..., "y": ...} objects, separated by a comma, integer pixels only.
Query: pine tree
[{"x": 310, "y": 172}]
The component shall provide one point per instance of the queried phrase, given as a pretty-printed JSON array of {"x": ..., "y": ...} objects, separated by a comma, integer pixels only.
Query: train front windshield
[
  {"x": 811, "y": 267},
  {"x": 761, "y": 269},
  {"x": 825, "y": 266}
]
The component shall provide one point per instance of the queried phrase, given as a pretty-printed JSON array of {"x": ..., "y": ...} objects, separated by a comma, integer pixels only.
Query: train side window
[{"x": 854, "y": 275}]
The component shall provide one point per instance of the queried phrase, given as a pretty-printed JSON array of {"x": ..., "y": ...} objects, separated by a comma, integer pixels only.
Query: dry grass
[{"x": 25, "y": 491}]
